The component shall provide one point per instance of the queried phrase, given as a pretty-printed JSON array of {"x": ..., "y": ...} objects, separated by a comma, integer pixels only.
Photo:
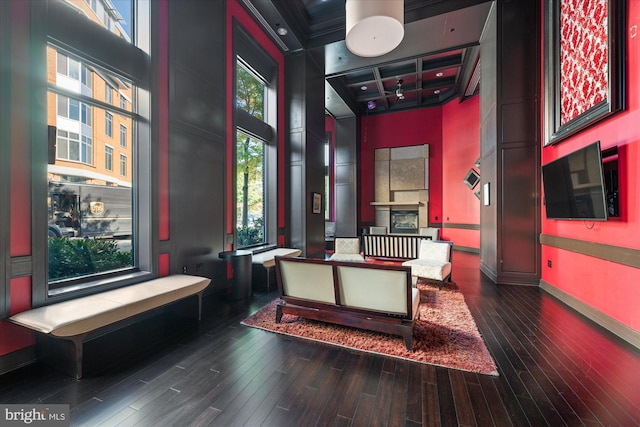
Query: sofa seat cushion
[
  {"x": 429, "y": 269},
  {"x": 347, "y": 257}
]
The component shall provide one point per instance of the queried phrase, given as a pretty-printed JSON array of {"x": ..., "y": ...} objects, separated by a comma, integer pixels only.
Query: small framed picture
[
  {"x": 317, "y": 203},
  {"x": 471, "y": 178}
]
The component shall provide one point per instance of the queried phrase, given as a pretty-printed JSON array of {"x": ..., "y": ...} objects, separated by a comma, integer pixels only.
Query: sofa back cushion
[
  {"x": 306, "y": 280},
  {"x": 436, "y": 251},
  {"x": 347, "y": 245},
  {"x": 374, "y": 289}
]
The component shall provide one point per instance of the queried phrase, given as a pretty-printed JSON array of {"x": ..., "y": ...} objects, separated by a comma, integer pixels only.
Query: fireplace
[{"x": 404, "y": 221}]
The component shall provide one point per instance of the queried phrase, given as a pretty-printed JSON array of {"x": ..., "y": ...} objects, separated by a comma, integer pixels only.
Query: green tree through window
[{"x": 250, "y": 162}]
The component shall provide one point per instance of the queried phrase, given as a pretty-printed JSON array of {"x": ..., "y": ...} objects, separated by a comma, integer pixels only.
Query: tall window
[
  {"x": 255, "y": 145},
  {"x": 108, "y": 94},
  {"x": 89, "y": 205},
  {"x": 123, "y": 136},
  {"x": 108, "y": 124},
  {"x": 250, "y": 181},
  {"x": 123, "y": 165},
  {"x": 108, "y": 158}
]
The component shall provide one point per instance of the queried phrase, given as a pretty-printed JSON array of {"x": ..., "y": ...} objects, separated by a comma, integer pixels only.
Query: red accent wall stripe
[
  {"x": 13, "y": 337},
  {"x": 164, "y": 266}
]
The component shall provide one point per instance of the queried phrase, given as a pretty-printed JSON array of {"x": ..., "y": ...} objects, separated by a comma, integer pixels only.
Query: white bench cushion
[
  {"x": 83, "y": 315},
  {"x": 267, "y": 258}
]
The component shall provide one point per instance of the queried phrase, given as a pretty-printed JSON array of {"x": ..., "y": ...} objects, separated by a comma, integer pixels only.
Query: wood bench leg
[
  {"x": 268, "y": 278},
  {"x": 278, "y": 313},
  {"x": 408, "y": 338}
]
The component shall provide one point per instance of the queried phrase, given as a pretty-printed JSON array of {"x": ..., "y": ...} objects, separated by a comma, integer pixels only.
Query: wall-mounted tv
[{"x": 574, "y": 185}]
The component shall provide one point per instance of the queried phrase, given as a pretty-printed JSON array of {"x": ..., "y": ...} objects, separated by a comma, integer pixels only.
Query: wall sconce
[{"x": 374, "y": 27}]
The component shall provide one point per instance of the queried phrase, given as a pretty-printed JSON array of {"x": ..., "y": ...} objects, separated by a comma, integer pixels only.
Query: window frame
[
  {"x": 108, "y": 124},
  {"x": 246, "y": 49},
  {"x": 108, "y": 158},
  {"x": 55, "y": 23},
  {"x": 123, "y": 135},
  {"x": 123, "y": 164}
]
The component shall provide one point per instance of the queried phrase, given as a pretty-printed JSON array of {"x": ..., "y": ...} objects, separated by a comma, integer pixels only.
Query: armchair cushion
[
  {"x": 347, "y": 249},
  {"x": 433, "y": 262}
]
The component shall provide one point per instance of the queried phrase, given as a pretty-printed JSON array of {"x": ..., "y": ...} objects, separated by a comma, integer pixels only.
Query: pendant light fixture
[{"x": 374, "y": 27}]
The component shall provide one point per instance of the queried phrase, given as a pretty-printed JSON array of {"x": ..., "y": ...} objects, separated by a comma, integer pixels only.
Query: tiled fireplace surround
[{"x": 401, "y": 183}]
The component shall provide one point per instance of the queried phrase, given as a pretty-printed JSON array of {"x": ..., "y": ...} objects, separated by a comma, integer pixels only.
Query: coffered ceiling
[{"x": 438, "y": 59}]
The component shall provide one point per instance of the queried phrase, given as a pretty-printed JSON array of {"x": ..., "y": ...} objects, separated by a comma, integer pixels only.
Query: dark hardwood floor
[{"x": 556, "y": 368}]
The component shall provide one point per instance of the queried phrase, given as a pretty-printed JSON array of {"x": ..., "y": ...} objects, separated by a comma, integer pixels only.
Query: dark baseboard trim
[
  {"x": 461, "y": 226},
  {"x": 17, "y": 359},
  {"x": 487, "y": 271},
  {"x": 612, "y": 325},
  {"x": 617, "y": 254},
  {"x": 466, "y": 249}
]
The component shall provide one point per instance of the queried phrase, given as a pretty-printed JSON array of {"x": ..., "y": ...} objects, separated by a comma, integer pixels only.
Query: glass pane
[
  {"x": 112, "y": 15},
  {"x": 250, "y": 92},
  {"x": 90, "y": 205},
  {"x": 250, "y": 186}
]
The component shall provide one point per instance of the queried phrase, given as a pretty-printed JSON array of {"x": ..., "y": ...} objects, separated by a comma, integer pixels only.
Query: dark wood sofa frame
[{"x": 338, "y": 313}]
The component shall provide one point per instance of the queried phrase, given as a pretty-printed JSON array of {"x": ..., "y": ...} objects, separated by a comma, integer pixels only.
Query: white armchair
[
  {"x": 347, "y": 249},
  {"x": 431, "y": 232},
  {"x": 433, "y": 262}
]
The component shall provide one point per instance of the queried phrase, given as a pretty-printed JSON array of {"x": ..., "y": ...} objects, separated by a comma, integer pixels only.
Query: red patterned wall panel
[{"x": 583, "y": 56}]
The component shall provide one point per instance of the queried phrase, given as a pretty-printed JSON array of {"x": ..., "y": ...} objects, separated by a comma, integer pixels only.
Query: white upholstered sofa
[
  {"x": 367, "y": 296},
  {"x": 433, "y": 262}
]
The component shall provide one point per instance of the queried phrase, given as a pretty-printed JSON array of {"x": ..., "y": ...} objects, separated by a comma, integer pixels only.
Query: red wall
[
  {"x": 416, "y": 127},
  {"x": 460, "y": 149},
  {"x": 453, "y": 135},
  {"x": 609, "y": 287}
]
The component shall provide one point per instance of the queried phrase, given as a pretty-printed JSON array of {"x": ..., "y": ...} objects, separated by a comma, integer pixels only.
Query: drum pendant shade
[{"x": 374, "y": 27}]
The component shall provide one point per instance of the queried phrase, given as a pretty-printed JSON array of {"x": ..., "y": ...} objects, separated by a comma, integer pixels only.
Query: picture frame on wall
[
  {"x": 316, "y": 200},
  {"x": 471, "y": 179},
  {"x": 584, "y": 65}
]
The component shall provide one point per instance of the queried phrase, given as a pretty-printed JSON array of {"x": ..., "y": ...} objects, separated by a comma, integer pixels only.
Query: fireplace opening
[{"x": 404, "y": 221}]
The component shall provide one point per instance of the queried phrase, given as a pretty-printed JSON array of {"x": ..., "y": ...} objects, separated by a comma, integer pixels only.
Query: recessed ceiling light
[
  {"x": 437, "y": 91},
  {"x": 363, "y": 87},
  {"x": 282, "y": 31},
  {"x": 440, "y": 74}
]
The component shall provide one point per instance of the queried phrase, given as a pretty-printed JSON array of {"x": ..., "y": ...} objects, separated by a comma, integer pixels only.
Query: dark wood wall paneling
[
  {"x": 304, "y": 93},
  {"x": 488, "y": 142},
  {"x": 346, "y": 189},
  {"x": 197, "y": 137},
  {"x": 515, "y": 150},
  {"x": 5, "y": 153}
]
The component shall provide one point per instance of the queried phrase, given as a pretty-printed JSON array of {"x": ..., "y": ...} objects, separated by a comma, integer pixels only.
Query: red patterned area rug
[{"x": 445, "y": 333}]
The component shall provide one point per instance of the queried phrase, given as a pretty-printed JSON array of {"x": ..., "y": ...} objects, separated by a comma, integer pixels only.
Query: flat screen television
[{"x": 574, "y": 186}]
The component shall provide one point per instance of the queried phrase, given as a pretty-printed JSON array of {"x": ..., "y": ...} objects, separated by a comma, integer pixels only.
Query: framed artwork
[
  {"x": 584, "y": 64},
  {"x": 477, "y": 193},
  {"x": 471, "y": 178},
  {"x": 317, "y": 203}
]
